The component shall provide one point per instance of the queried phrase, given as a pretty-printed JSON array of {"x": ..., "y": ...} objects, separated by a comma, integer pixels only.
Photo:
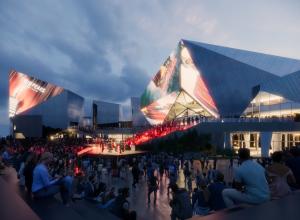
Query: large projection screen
[
  {"x": 157, "y": 111},
  {"x": 164, "y": 83},
  {"x": 26, "y": 92},
  {"x": 193, "y": 83}
]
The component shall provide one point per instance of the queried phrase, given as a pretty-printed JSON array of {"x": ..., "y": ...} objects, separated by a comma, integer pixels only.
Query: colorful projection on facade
[
  {"x": 193, "y": 83},
  {"x": 165, "y": 81},
  {"x": 26, "y": 92},
  {"x": 157, "y": 111},
  {"x": 178, "y": 74}
]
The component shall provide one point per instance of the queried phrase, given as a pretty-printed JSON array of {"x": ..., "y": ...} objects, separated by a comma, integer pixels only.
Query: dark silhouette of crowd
[{"x": 46, "y": 168}]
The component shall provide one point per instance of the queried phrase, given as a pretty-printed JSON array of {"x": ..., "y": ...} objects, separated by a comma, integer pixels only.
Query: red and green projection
[{"x": 178, "y": 77}]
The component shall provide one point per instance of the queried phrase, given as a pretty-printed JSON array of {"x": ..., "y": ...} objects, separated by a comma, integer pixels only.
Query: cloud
[{"x": 109, "y": 49}]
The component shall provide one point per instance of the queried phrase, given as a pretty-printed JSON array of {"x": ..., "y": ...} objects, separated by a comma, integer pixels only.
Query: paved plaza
[
  {"x": 161, "y": 210},
  {"x": 138, "y": 196}
]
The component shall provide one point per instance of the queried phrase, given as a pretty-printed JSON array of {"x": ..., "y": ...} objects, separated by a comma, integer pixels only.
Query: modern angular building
[
  {"x": 138, "y": 118},
  {"x": 57, "y": 107},
  {"x": 105, "y": 114},
  {"x": 246, "y": 99}
]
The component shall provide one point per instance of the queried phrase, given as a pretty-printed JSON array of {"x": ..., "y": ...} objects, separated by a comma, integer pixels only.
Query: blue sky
[{"x": 109, "y": 49}]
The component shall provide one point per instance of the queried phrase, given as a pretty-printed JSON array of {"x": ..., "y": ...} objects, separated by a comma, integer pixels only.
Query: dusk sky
[{"x": 109, "y": 49}]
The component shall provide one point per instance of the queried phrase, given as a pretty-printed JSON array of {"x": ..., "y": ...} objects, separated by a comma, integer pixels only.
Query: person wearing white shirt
[{"x": 250, "y": 183}]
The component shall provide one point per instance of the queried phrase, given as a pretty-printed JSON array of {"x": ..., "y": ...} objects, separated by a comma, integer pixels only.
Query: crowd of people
[{"x": 46, "y": 168}]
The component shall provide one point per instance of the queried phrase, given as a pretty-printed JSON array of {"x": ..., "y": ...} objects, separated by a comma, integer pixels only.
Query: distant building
[
  {"x": 138, "y": 118},
  {"x": 86, "y": 122},
  {"x": 242, "y": 98},
  {"x": 105, "y": 114},
  {"x": 58, "y": 108},
  {"x": 28, "y": 125}
]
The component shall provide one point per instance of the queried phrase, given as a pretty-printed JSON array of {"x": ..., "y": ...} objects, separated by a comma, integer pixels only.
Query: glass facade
[
  {"x": 61, "y": 111},
  {"x": 267, "y": 105},
  {"x": 218, "y": 80},
  {"x": 252, "y": 140},
  {"x": 138, "y": 118},
  {"x": 106, "y": 113},
  {"x": 177, "y": 90}
]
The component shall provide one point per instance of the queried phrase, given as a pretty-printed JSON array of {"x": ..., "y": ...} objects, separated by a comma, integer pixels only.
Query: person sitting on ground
[
  {"x": 93, "y": 188},
  {"x": 91, "y": 191},
  {"x": 294, "y": 164},
  {"x": 121, "y": 206},
  {"x": 44, "y": 186},
  {"x": 250, "y": 183},
  {"x": 216, "y": 188},
  {"x": 107, "y": 198},
  {"x": 200, "y": 199},
  {"x": 108, "y": 195},
  {"x": 79, "y": 188},
  {"x": 180, "y": 204},
  {"x": 279, "y": 176}
]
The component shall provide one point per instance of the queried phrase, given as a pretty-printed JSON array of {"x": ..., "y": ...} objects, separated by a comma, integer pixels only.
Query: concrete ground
[
  {"x": 138, "y": 196},
  {"x": 161, "y": 210},
  {"x": 285, "y": 208}
]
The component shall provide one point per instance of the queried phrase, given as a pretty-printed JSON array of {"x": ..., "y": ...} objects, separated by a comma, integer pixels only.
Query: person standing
[
  {"x": 189, "y": 181},
  {"x": 161, "y": 170},
  {"x": 30, "y": 164},
  {"x": 186, "y": 170},
  {"x": 152, "y": 187},
  {"x": 135, "y": 174},
  {"x": 172, "y": 182},
  {"x": 215, "y": 189}
]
